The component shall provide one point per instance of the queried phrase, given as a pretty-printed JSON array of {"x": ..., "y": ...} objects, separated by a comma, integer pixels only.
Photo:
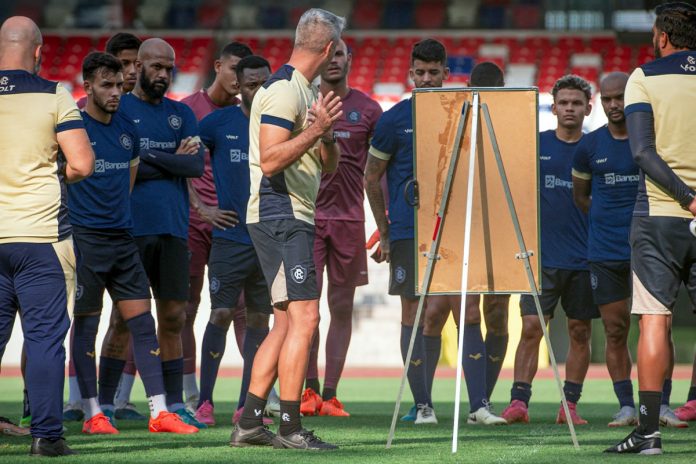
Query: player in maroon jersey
[{"x": 340, "y": 231}]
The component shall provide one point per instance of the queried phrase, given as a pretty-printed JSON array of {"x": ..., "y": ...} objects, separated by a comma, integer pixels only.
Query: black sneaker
[
  {"x": 304, "y": 439},
  {"x": 257, "y": 436},
  {"x": 639, "y": 444},
  {"x": 51, "y": 448}
]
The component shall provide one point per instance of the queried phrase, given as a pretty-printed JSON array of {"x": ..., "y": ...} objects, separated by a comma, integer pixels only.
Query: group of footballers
[{"x": 244, "y": 177}]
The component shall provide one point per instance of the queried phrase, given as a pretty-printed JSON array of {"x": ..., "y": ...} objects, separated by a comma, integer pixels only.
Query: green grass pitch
[{"x": 362, "y": 437}]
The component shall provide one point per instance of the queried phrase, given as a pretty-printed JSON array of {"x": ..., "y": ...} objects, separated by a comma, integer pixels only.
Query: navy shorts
[
  {"x": 402, "y": 267},
  {"x": 234, "y": 267},
  {"x": 285, "y": 248},
  {"x": 166, "y": 262},
  {"x": 611, "y": 281},
  {"x": 109, "y": 259},
  {"x": 572, "y": 288}
]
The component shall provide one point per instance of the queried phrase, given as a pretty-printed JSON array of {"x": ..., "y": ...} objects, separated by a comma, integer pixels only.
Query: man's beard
[
  {"x": 656, "y": 48},
  {"x": 149, "y": 88}
]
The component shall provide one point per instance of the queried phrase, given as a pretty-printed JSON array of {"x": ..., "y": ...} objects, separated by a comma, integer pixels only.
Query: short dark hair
[
  {"x": 486, "y": 74},
  {"x": 572, "y": 82},
  {"x": 678, "y": 21},
  {"x": 251, "y": 62},
  {"x": 429, "y": 50},
  {"x": 122, "y": 41},
  {"x": 238, "y": 49},
  {"x": 99, "y": 60}
]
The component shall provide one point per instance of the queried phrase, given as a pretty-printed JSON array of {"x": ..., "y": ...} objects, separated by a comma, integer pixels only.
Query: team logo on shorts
[
  {"x": 214, "y": 285},
  {"x": 79, "y": 290},
  {"x": 400, "y": 275},
  {"x": 298, "y": 274},
  {"x": 174, "y": 121},
  {"x": 126, "y": 141},
  {"x": 593, "y": 281},
  {"x": 354, "y": 116}
]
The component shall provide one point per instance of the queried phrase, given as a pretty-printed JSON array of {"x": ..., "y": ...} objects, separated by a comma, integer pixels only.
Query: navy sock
[
  {"x": 328, "y": 393},
  {"x": 433, "y": 346},
  {"x": 289, "y": 417},
  {"x": 572, "y": 391},
  {"x": 26, "y": 411},
  {"x": 624, "y": 392},
  {"x": 252, "y": 416},
  {"x": 692, "y": 393},
  {"x": 110, "y": 370},
  {"x": 252, "y": 340},
  {"x": 496, "y": 347},
  {"x": 212, "y": 349},
  {"x": 649, "y": 412},
  {"x": 313, "y": 384},
  {"x": 474, "y": 366},
  {"x": 84, "y": 354},
  {"x": 416, "y": 371},
  {"x": 521, "y": 391},
  {"x": 146, "y": 352},
  {"x": 666, "y": 392},
  {"x": 173, "y": 376}
]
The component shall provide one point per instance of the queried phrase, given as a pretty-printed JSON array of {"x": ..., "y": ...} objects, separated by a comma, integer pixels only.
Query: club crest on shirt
[
  {"x": 354, "y": 116},
  {"x": 298, "y": 274},
  {"x": 174, "y": 121},
  {"x": 126, "y": 141}
]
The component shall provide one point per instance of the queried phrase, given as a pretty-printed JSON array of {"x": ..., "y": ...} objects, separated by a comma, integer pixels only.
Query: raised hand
[{"x": 325, "y": 111}]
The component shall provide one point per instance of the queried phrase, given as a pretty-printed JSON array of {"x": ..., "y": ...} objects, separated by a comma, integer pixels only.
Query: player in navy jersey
[
  {"x": 170, "y": 153},
  {"x": 99, "y": 210},
  {"x": 233, "y": 266},
  {"x": 565, "y": 276},
  {"x": 605, "y": 183},
  {"x": 340, "y": 232}
]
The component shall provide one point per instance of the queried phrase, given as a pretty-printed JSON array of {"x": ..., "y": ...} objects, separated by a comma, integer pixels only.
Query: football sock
[
  {"x": 666, "y": 392},
  {"x": 289, "y": 417},
  {"x": 496, "y": 347},
  {"x": 624, "y": 392},
  {"x": 649, "y": 411},
  {"x": 252, "y": 340},
  {"x": 157, "y": 404},
  {"x": 474, "y": 366},
  {"x": 212, "y": 350},
  {"x": 692, "y": 393},
  {"x": 146, "y": 353},
  {"x": 521, "y": 391},
  {"x": 313, "y": 384},
  {"x": 91, "y": 407},
  {"x": 26, "y": 410},
  {"x": 173, "y": 376},
  {"x": 84, "y": 354},
  {"x": 74, "y": 395},
  {"x": 123, "y": 392},
  {"x": 416, "y": 371},
  {"x": 328, "y": 393},
  {"x": 433, "y": 346},
  {"x": 252, "y": 416},
  {"x": 239, "y": 321},
  {"x": 109, "y": 374},
  {"x": 572, "y": 391}
]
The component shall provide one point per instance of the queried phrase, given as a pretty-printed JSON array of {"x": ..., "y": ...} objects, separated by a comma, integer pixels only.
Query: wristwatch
[{"x": 330, "y": 141}]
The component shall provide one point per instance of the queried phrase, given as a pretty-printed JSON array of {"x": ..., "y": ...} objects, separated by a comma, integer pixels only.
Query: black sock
[
  {"x": 110, "y": 370},
  {"x": 691, "y": 397},
  {"x": 146, "y": 353},
  {"x": 328, "y": 393},
  {"x": 649, "y": 411},
  {"x": 521, "y": 391},
  {"x": 666, "y": 392},
  {"x": 84, "y": 354},
  {"x": 252, "y": 416},
  {"x": 26, "y": 412},
  {"x": 313, "y": 384},
  {"x": 173, "y": 376},
  {"x": 289, "y": 417},
  {"x": 572, "y": 391},
  {"x": 252, "y": 341}
]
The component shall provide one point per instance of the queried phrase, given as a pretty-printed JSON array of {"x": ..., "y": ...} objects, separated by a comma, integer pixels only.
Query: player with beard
[
  {"x": 99, "y": 210},
  {"x": 204, "y": 213},
  {"x": 660, "y": 97},
  {"x": 170, "y": 153},
  {"x": 565, "y": 276},
  {"x": 233, "y": 267},
  {"x": 340, "y": 232}
]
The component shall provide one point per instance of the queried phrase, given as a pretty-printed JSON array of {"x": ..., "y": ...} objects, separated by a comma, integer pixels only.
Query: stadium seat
[
  {"x": 462, "y": 13},
  {"x": 526, "y": 16},
  {"x": 58, "y": 13},
  {"x": 211, "y": 13},
  {"x": 272, "y": 16},
  {"x": 242, "y": 15},
  {"x": 366, "y": 14},
  {"x": 430, "y": 14},
  {"x": 152, "y": 13},
  {"x": 398, "y": 14},
  {"x": 520, "y": 75}
]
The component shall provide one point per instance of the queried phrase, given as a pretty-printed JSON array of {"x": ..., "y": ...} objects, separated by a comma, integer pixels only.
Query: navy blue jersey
[
  {"x": 609, "y": 165},
  {"x": 563, "y": 225},
  {"x": 393, "y": 142},
  {"x": 226, "y": 134},
  {"x": 102, "y": 201},
  {"x": 160, "y": 206}
]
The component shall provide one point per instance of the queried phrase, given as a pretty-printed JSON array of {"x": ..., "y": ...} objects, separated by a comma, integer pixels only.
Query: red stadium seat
[
  {"x": 366, "y": 14},
  {"x": 430, "y": 14}
]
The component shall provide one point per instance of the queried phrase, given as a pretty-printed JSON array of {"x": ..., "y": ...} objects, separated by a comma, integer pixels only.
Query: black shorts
[
  {"x": 611, "y": 281},
  {"x": 166, "y": 262},
  {"x": 234, "y": 267},
  {"x": 663, "y": 255},
  {"x": 109, "y": 259},
  {"x": 571, "y": 287},
  {"x": 285, "y": 248},
  {"x": 402, "y": 267}
]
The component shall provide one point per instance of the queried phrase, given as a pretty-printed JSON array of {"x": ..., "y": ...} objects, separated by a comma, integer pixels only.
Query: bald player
[
  {"x": 340, "y": 232},
  {"x": 660, "y": 98},
  {"x": 605, "y": 183},
  {"x": 38, "y": 120},
  {"x": 170, "y": 152}
]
